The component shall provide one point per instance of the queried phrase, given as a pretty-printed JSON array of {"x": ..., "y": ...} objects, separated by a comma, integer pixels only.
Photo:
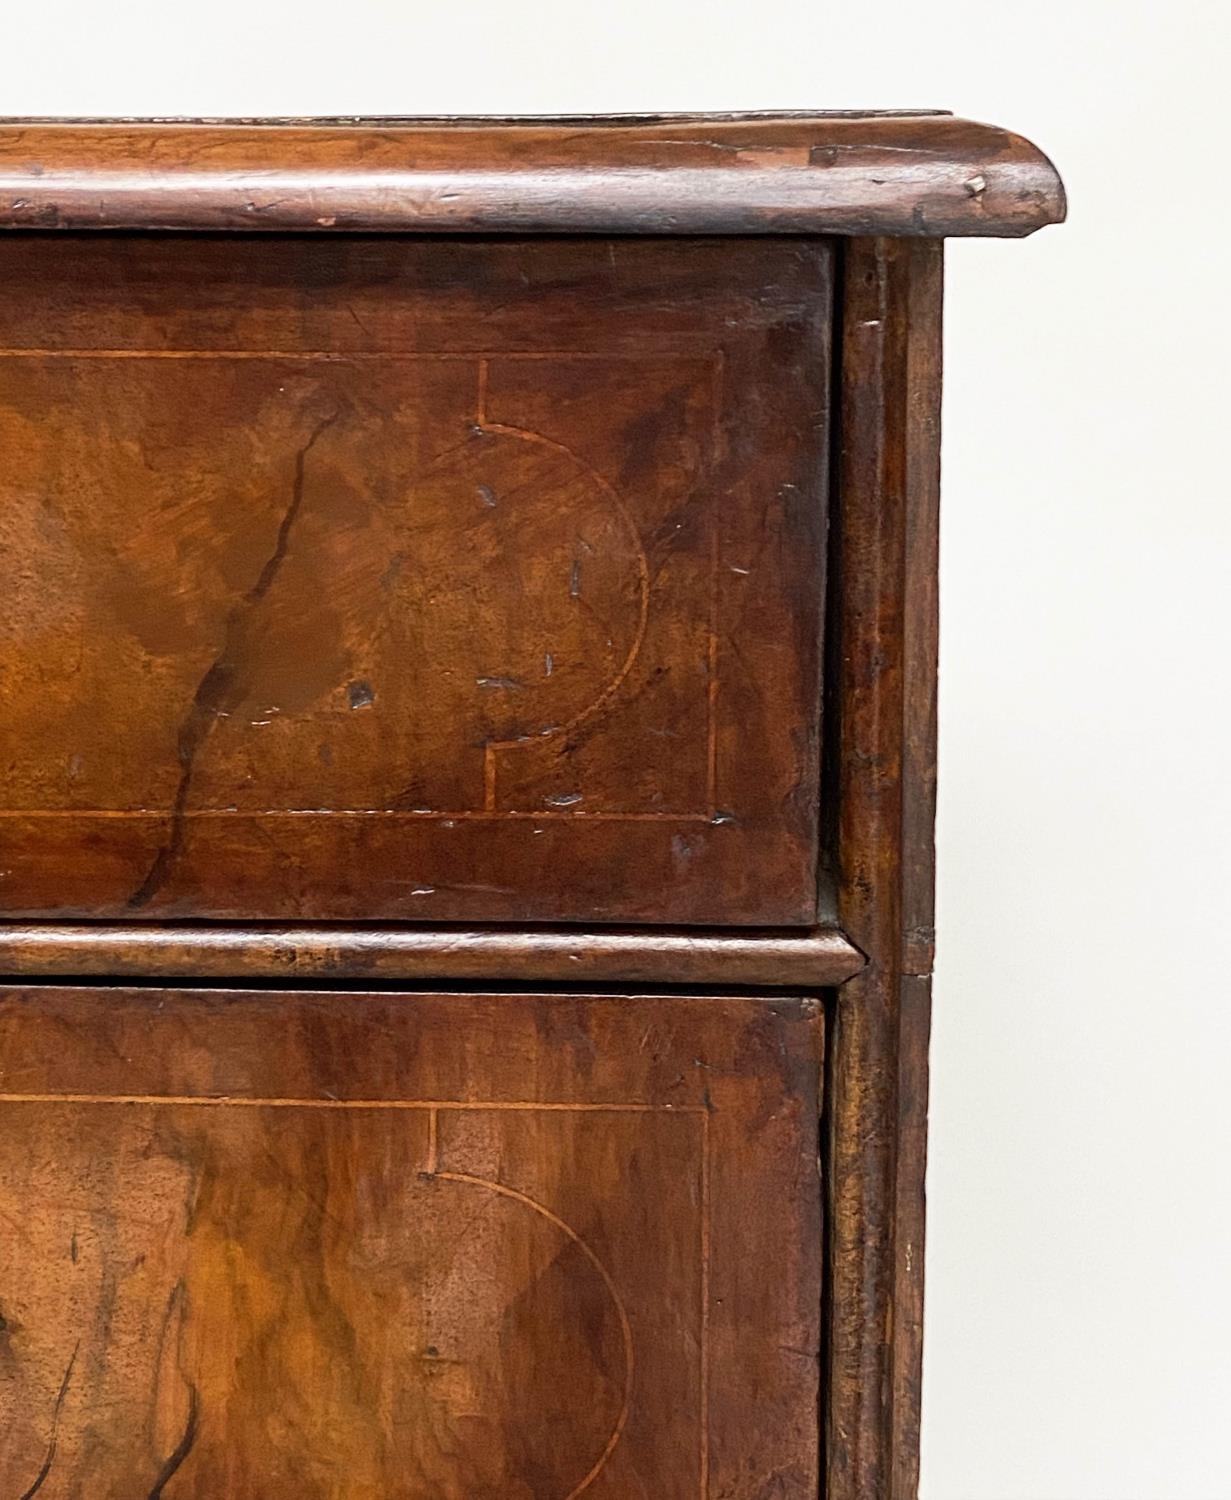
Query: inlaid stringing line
[{"x": 219, "y": 1101}]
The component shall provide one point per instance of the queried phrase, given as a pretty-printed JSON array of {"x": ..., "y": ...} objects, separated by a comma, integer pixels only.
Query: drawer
[
  {"x": 473, "y": 1247},
  {"x": 403, "y": 579}
]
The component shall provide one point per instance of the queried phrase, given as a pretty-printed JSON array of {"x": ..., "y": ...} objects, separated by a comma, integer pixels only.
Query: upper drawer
[{"x": 408, "y": 579}]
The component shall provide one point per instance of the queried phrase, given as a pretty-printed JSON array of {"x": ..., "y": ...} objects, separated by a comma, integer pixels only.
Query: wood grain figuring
[
  {"x": 380, "y": 579},
  {"x": 811, "y": 959},
  {"x": 408, "y": 1246},
  {"x": 885, "y": 619},
  {"x": 923, "y": 174}
]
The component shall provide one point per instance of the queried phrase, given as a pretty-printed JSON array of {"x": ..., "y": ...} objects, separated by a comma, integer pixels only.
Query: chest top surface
[{"x": 910, "y": 173}]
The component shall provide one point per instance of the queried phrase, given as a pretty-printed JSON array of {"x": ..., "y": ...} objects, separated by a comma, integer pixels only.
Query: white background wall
[{"x": 1079, "y": 1314}]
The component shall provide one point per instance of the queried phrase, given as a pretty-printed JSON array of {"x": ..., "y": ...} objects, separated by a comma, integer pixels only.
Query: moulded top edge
[{"x": 838, "y": 173}]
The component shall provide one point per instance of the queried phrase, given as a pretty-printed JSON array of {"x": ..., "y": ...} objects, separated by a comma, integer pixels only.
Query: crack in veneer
[{"x": 221, "y": 688}]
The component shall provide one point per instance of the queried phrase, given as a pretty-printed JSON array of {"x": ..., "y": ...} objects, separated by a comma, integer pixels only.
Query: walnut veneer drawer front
[
  {"x": 383, "y": 577},
  {"x": 264, "y": 1245}
]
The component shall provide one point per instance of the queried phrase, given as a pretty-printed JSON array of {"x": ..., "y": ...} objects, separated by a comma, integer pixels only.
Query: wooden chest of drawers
[{"x": 467, "y": 719}]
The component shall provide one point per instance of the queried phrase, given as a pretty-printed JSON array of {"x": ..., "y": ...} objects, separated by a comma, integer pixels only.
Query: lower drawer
[{"x": 452, "y": 1247}]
